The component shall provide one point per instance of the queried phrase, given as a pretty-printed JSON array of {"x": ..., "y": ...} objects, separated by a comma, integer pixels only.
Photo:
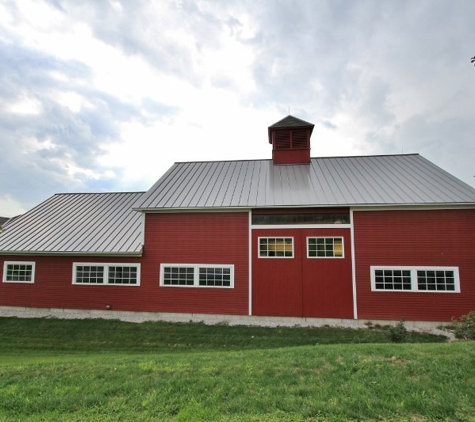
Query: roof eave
[
  {"x": 438, "y": 205},
  {"x": 192, "y": 209},
  {"x": 69, "y": 253},
  {"x": 421, "y": 206}
]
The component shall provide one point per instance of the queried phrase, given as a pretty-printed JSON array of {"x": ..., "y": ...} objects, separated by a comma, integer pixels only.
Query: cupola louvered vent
[
  {"x": 300, "y": 138},
  {"x": 282, "y": 139},
  {"x": 290, "y": 139}
]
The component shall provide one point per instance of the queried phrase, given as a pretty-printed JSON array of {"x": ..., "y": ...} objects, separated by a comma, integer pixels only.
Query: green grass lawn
[{"x": 113, "y": 371}]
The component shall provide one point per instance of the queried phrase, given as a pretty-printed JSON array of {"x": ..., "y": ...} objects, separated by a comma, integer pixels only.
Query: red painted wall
[
  {"x": 415, "y": 238},
  {"x": 301, "y": 286},
  {"x": 291, "y": 156},
  {"x": 204, "y": 238},
  {"x": 53, "y": 286},
  {"x": 181, "y": 238}
]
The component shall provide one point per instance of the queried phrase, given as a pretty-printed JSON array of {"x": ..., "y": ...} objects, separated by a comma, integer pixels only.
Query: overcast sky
[{"x": 101, "y": 96}]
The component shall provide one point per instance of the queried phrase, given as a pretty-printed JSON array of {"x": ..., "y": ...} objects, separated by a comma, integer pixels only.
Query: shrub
[
  {"x": 398, "y": 333},
  {"x": 464, "y": 327}
]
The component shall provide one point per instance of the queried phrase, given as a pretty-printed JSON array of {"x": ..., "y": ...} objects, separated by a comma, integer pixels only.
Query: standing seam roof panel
[
  {"x": 78, "y": 223},
  {"x": 447, "y": 185},
  {"x": 330, "y": 181},
  {"x": 32, "y": 222},
  {"x": 354, "y": 173},
  {"x": 390, "y": 184}
]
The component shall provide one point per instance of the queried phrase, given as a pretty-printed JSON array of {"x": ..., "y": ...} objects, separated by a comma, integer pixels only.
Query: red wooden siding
[
  {"x": 301, "y": 286},
  {"x": 53, "y": 286},
  {"x": 203, "y": 238},
  {"x": 291, "y": 156},
  {"x": 415, "y": 238},
  {"x": 172, "y": 238}
]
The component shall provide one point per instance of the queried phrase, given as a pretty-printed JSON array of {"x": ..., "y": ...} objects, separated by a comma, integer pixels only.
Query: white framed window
[
  {"x": 415, "y": 279},
  {"x": 197, "y": 275},
  {"x": 276, "y": 247},
  {"x": 325, "y": 247},
  {"x": 19, "y": 272},
  {"x": 106, "y": 274}
]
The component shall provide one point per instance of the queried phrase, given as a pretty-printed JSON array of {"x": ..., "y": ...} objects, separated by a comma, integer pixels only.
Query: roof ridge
[
  {"x": 369, "y": 156},
  {"x": 313, "y": 158}
]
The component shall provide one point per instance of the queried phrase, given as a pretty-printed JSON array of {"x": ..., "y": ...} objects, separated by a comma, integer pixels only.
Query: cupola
[{"x": 290, "y": 139}]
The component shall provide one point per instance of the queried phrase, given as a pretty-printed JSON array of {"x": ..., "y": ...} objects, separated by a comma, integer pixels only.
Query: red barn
[{"x": 370, "y": 237}]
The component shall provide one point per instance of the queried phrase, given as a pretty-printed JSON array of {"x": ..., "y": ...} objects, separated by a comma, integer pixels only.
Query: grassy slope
[
  {"x": 55, "y": 336},
  {"x": 70, "y": 371}
]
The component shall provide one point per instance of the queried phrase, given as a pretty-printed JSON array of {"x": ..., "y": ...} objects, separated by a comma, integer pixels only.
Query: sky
[{"x": 104, "y": 96}]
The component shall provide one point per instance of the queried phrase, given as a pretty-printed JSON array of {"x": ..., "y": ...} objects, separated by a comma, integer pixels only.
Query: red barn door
[{"x": 299, "y": 284}]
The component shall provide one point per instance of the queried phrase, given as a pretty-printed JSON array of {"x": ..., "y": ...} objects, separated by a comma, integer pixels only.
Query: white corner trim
[
  {"x": 353, "y": 265},
  {"x": 250, "y": 263}
]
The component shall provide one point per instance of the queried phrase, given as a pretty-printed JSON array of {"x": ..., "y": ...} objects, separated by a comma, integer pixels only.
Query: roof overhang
[
  {"x": 60, "y": 253},
  {"x": 408, "y": 207},
  {"x": 356, "y": 207}
]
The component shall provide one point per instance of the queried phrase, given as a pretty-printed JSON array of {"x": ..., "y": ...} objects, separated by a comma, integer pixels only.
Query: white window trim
[
  {"x": 33, "y": 270},
  {"x": 414, "y": 286},
  {"x": 327, "y": 257},
  {"x": 106, "y": 273},
  {"x": 275, "y": 257},
  {"x": 196, "y": 275}
]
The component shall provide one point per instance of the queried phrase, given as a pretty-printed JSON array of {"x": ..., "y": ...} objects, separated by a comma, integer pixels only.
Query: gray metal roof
[
  {"x": 78, "y": 223},
  {"x": 389, "y": 180}
]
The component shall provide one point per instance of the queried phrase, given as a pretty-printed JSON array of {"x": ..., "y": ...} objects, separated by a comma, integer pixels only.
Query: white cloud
[
  {"x": 24, "y": 104},
  {"x": 73, "y": 101},
  {"x": 107, "y": 95},
  {"x": 10, "y": 207}
]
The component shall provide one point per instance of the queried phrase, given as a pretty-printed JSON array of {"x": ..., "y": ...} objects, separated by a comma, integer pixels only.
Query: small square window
[
  {"x": 276, "y": 247},
  {"x": 18, "y": 272},
  {"x": 325, "y": 247}
]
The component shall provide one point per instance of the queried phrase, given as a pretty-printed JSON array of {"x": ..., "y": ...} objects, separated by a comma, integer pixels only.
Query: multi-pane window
[
  {"x": 415, "y": 279},
  {"x": 325, "y": 247},
  {"x": 438, "y": 280},
  {"x": 18, "y": 272},
  {"x": 276, "y": 247},
  {"x": 216, "y": 277},
  {"x": 122, "y": 275},
  {"x": 115, "y": 274},
  {"x": 178, "y": 276},
  {"x": 197, "y": 275},
  {"x": 392, "y": 279},
  {"x": 89, "y": 274}
]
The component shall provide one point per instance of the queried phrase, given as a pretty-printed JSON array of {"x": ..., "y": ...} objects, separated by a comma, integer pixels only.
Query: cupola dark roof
[{"x": 290, "y": 121}]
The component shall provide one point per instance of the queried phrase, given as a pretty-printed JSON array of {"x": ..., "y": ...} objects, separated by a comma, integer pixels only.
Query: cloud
[
  {"x": 106, "y": 95},
  {"x": 46, "y": 146}
]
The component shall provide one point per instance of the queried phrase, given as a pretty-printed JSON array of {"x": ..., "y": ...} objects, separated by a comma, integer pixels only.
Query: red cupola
[{"x": 290, "y": 139}]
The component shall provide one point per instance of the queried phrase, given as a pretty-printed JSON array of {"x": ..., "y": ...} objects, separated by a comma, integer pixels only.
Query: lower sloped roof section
[{"x": 78, "y": 223}]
